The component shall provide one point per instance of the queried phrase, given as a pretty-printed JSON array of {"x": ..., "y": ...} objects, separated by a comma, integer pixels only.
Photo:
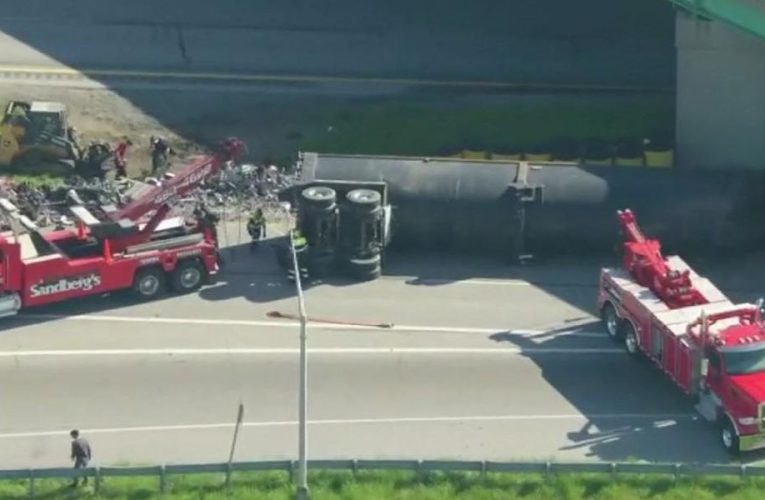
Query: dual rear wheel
[
  {"x": 152, "y": 282},
  {"x": 619, "y": 330}
]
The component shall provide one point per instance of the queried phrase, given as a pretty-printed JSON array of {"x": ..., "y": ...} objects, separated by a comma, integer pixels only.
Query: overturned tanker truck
[{"x": 353, "y": 208}]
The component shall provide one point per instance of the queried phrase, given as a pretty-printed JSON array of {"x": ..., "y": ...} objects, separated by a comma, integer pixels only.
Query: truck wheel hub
[
  {"x": 631, "y": 342},
  {"x": 189, "y": 278},
  {"x": 149, "y": 285},
  {"x": 727, "y": 437},
  {"x": 611, "y": 324}
]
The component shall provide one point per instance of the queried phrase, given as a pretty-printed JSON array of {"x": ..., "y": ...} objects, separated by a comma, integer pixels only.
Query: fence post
[
  {"x": 420, "y": 472},
  {"x": 484, "y": 469},
  {"x": 98, "y": 480},
  {"x": 293, "y": 466},
  {"x": 613, "y": 470},
  {"x": 742, "y": 470},
  {"x": 547, "y": 470},
  {"x": 31, "y": 483},
  {"x": 228, "y": 475},
  {"x": 354, "y": 467},
  {"x": 676, "y": 473},
  {"x": 162, "y": 479}
]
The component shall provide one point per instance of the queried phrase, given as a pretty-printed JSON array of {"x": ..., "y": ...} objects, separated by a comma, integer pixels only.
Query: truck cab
[{"x": 732, "y": 389}]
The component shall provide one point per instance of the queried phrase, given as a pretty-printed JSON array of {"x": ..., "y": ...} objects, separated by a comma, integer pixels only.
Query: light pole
[{"x": 302, "y": 488}]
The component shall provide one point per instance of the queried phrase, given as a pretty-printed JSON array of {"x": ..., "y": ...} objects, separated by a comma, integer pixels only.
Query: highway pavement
[{"x": 483, "y": 361}]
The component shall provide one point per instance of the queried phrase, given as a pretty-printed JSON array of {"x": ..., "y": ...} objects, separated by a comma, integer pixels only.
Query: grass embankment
[
  {"x": 407, "y": 128},
  {"x": 394, "y": 485}
]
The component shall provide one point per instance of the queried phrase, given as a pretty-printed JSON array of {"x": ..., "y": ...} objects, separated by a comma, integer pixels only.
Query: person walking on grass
[{"x": 81, "y": 455}]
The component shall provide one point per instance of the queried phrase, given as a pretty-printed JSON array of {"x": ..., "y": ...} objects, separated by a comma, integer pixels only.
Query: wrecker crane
[
  {"x": 711, "y": 348},
  {"x": 646, "y": 264},
  {"x": 136, "y": 246}
]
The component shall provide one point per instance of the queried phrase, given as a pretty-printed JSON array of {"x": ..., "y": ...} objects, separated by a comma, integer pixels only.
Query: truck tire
[
  {"x": 319, "y": 198},
  {"x": 187, "y": 277},
  {"x": 366, "y": 269},
  {"x": 364, "y": 200},
  {"x": 149, "y": 283},
  {"x": 728, "y": 436},
  {"x": 612, "y": 324},
  {"x": 631, "y": 342}
]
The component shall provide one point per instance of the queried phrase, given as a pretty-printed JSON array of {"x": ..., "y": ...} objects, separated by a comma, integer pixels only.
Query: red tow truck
[
  {"x": 713, "y": 349},
  {"x": 136, "y": 246}
]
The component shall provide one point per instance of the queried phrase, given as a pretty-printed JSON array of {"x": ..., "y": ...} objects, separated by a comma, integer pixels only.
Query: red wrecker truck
[
  {"x": 713, "y": 349},
  {"x": 136, "y": 246}
]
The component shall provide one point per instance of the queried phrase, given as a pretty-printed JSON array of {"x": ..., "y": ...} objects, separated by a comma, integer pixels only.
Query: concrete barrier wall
[
  {"x": 720, "y": 96},
  {"x": 627, "y": 42}
]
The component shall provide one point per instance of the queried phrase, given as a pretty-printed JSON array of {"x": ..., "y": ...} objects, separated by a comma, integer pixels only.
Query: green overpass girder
[{"x": 747, "y": 15}]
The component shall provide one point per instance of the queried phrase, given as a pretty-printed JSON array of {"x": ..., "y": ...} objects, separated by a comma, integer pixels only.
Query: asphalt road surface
[
  {"x": 479, "y": 364},
  {"x": 595, "y": 41}
]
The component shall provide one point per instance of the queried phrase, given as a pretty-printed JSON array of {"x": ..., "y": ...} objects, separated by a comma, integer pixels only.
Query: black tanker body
[{"x": 517, "y": 208}]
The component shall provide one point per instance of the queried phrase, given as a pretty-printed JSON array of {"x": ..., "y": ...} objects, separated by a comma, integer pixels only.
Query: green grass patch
[
  {"x": 409, "y": 128},
  {"x": 37, "y": 180},
  {"x": 374, "y": 485}
]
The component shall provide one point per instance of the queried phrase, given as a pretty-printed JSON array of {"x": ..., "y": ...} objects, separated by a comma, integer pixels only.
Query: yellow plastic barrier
[
  {"x": 538, "y": 157},
  {"x": 660, "y": 159},
  {"x": 474, "y": 155},
  {"x": 630, "y": 162}
]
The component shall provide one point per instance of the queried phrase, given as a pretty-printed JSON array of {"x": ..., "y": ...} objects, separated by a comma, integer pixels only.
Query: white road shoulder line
[
  {"x": 360, "y": 421},
  {"x": 293, "y": 351},
  {"x": 294, "y": 324}
]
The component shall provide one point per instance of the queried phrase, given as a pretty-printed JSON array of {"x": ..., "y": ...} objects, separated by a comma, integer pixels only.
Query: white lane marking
[
  {"x": 356, "y": 421},
  {"x": 291, "y": 351},
  {"x": 496, "y": 282},
  {"x": 294, "y": 324}
]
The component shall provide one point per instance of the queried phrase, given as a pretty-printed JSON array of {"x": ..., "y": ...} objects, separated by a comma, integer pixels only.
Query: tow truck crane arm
[
  {"x": 184, "y": 181},
  {"x": 159, "y": 199},
  {"x": 644, "y": 261}
]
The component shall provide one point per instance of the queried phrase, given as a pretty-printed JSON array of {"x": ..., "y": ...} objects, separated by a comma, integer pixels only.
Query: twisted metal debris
[{"x": 237, "y": 191}]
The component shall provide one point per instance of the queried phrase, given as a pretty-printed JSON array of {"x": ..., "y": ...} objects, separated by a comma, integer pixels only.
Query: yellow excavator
[{"x": 36, "y": 138}]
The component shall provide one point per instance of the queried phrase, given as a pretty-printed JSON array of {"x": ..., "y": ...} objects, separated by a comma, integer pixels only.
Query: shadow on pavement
[{"x": 633, "y": 411}]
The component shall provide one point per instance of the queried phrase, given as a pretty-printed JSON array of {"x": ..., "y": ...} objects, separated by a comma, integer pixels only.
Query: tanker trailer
[{"x": 517, "y": 209}]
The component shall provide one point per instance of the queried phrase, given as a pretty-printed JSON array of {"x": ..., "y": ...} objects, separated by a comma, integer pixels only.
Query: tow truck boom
[
  {"x": 644, "y": 261},
  {"x": 121, "y": 226},
  {"x": 181, "y": 183}
]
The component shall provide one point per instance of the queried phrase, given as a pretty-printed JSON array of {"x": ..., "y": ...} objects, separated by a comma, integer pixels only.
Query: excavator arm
[{"x": 646, "y": 264}]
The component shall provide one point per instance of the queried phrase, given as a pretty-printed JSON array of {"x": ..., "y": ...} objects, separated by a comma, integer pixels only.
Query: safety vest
[{"x": 298, "y": 240}]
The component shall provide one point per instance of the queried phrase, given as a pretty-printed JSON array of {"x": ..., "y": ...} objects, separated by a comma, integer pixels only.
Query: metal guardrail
[{"x": 418, "y": 466}]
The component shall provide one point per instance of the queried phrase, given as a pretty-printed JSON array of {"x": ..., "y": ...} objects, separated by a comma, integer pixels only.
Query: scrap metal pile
[{"x": 237, "y": 190}]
